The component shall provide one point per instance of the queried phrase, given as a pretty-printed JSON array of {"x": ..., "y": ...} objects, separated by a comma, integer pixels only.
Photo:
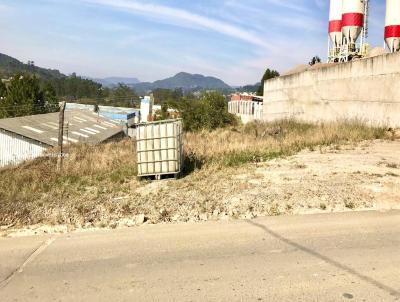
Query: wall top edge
[{"x": 331, "y": 66}]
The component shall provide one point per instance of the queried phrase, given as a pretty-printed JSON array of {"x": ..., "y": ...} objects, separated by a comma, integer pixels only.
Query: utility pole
[{"x": 60, "y": 136}]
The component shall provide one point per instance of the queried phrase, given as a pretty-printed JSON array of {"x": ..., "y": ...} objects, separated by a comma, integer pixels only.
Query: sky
[{"x": 235, "y": 40}]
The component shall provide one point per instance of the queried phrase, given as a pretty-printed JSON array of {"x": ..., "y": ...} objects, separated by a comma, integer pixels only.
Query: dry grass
[
  {"x": 98, "y": 184},
  {"x": 264, "y": 141},
  {"x": 29, "y": 192}
]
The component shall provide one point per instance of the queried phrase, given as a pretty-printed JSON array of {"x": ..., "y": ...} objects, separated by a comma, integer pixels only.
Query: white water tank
[
  {"x": 146, "y": 109},
  {"x": 392, "y": 25},
  {"x": 159, "y": 147}
]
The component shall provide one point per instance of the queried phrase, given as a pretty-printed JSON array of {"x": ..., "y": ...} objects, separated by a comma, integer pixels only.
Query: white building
[
  {"x": 28, "y": 137},
  {"x": 248, "y": 107}
]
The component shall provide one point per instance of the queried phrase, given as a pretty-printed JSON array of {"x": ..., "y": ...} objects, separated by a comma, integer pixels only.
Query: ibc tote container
[{"x": 159, "y": 148}]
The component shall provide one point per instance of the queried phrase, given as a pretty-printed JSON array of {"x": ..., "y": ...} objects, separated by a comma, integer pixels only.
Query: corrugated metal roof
[{"x": 80, "y": 126}]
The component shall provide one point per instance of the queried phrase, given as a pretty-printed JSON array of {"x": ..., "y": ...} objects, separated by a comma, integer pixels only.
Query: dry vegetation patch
[
  {"x": 257, "y": 142},
  {"x": 98, "y": 185}
]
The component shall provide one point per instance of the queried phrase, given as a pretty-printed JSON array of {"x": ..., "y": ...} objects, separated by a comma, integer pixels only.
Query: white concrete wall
[
  {"x": 366, "y": 89},
  {"x": 15, "y": 149}
]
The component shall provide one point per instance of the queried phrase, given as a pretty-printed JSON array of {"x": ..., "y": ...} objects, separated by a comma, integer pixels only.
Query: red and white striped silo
[
  {"x": 335, "y": 22},
  {"x": 352, "y": 19},
  {"x": 392, "y": 25}
]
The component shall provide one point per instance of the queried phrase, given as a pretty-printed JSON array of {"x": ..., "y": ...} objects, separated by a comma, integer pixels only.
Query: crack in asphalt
[
  {"x": 380, "y": 285},
  {"x": 31, "y": 257}
]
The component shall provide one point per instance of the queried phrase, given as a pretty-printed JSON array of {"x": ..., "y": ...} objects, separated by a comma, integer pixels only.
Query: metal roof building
[
  {"x": 121, "y": 114},
  {"x": 24, "y": 138}
]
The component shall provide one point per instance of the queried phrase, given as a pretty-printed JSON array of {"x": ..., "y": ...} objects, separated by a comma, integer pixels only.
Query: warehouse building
[{"x": 28, "y": 137}]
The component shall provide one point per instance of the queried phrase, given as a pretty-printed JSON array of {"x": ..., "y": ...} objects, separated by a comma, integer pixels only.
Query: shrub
[{"x": 209, "y": 112}]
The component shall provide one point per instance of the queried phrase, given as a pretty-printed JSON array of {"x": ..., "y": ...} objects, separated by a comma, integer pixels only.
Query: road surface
[{"x": 331, "y": 257}]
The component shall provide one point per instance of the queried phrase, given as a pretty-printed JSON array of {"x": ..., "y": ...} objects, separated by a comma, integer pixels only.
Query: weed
[
  {"x": 300, "y": 166},
  {"x": 350, "y": 204},
  {"x": 274, "y": 210}
]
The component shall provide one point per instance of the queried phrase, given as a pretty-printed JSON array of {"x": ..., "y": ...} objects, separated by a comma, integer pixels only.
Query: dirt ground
[
  {"x": 354, "y": 177},
  {"x": 333, "y": 179}
]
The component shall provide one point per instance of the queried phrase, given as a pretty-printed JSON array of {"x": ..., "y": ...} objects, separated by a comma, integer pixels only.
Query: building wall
[
  {"x": 15, "y": 149},
  {"x": 366, "y": 89},
  {"x": 248, "y": 111}
]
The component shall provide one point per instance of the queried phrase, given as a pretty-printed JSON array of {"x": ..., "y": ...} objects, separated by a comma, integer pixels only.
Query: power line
[{"x": 30, "y": 105}]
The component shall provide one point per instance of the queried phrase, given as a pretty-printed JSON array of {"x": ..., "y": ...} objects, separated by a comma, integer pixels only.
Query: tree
[
  {"x": 269, "y": 74},
  {"x": 3, "y": 93},
  {"x": 123, "y": 96},
  {"x": 24, "y": 96},
  {"x": 166, "y": 95},
  {"x": 315, "y": 60},
  {"x": 3, "y": 89},
  {"x": 50, "y": 98},
  {"x": 209, "y": 112}
]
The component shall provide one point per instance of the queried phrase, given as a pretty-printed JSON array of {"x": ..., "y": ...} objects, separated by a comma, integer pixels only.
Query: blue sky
[{"x": 234, "y": 40}]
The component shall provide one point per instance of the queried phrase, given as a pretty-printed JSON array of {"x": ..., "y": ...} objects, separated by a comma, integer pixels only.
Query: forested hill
[
  {"x": 65, "y": 87},
  {"x": 185, "y": 81},
  {"x": 112, "y": 82},
  {"x": 10, "y": 66}
]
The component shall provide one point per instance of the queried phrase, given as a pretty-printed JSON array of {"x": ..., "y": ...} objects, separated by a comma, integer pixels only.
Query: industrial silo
[
  {"x": 392, "y": 25},
  {"x": 335, "y": 22},
  {"x": 335, "y": 29},
  {"x": 352, "y": 20}
]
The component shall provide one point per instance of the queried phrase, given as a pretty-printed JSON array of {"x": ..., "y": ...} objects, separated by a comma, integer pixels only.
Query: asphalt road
[{"x": 333, "y": 257}]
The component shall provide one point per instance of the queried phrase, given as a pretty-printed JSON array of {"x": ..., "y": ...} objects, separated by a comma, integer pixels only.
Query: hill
[
  {"x": 185, "y": 81},
  {"x": 249, "y": 88},
  {"x": 114, "y": 81},
  {"x": 10, "y": 66}
]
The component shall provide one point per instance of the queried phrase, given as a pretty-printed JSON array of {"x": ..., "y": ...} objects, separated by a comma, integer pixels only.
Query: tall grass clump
[
  {"x": 263, "y": 141},
  {"x": 37, "y": 184}
]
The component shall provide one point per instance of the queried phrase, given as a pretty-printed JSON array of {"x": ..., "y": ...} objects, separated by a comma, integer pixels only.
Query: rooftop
[{"x": 79, "y": 126}]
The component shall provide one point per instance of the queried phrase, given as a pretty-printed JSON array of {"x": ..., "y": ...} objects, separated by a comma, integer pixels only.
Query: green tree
[
  {"x": 209, "y": 112},
  {"x": 3, "y": 93},
  {"x": 167, "y": 95},
  {"x": 269, "y": 74},
  {"x": 123, "y": 96},
  {"x": 3, "y": 89},
  {"x": 50, "y": 98},
  {"x": 24, "y": 96}
]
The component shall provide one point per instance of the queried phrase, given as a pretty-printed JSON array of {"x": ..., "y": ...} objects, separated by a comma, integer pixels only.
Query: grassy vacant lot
[{"x": 98, "y": 185}]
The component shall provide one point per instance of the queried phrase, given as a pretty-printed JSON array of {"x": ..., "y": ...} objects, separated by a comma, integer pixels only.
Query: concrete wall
[{"x": 367, "y": 89}]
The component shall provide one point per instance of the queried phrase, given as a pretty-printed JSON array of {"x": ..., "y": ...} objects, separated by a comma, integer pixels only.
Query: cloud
[
  {"x": 288, "y": 4},
  {"x": 186, "y": 18}
]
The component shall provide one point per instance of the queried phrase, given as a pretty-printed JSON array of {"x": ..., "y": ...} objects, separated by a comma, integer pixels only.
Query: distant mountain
[
  {"x": 249, "y": 88},
  {"x": 185, "y": 81},
  {"x": 10, "y": 66},
  {"x": 114, "y": 81}
]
